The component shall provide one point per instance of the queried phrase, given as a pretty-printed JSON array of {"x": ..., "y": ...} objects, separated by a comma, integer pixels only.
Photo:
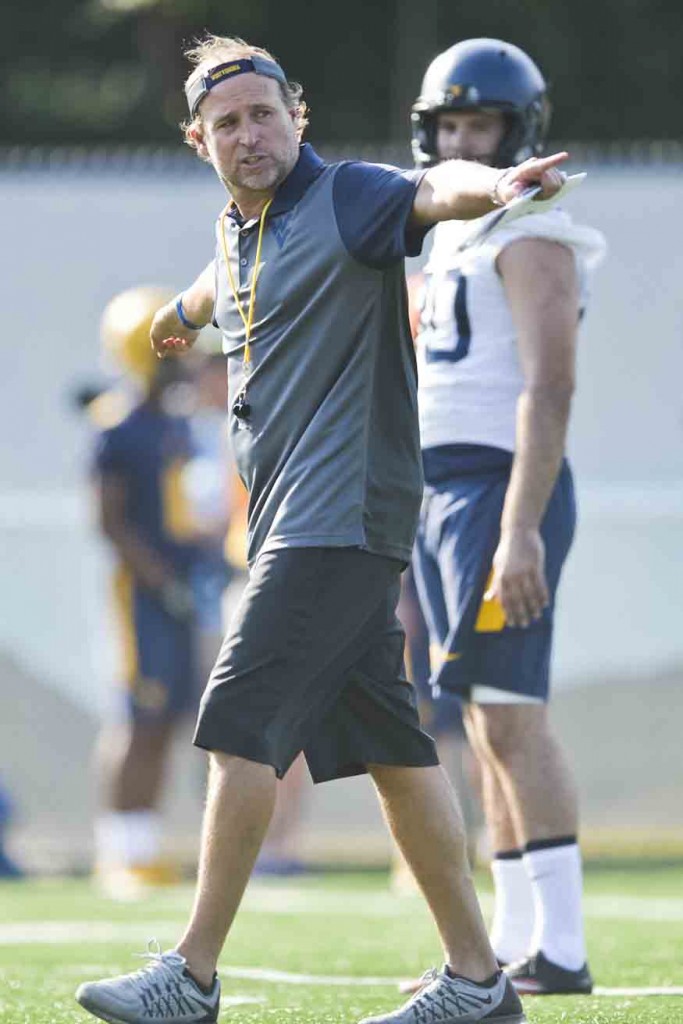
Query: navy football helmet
[{"x": 483, "y": 73}]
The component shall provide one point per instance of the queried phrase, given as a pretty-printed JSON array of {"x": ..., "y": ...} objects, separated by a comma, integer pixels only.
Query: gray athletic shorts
[{"x": 313, "y": 661}]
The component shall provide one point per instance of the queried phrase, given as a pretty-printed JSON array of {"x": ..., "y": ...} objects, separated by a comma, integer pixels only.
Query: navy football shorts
[
  {"x": 313, "y": 661},
  {"x": 457, "y": 538},
  {"x": 159, "y": 653}
]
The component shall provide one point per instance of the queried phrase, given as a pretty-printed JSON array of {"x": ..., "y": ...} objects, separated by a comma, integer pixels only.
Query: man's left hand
[
  {"x": 519, "y": 576},
  {"x": 168, "y": 336},
  {"x": 543, "y": 171}
]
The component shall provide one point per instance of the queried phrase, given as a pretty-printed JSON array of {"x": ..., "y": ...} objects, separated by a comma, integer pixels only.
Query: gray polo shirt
[{"x": 330, "y": 453}]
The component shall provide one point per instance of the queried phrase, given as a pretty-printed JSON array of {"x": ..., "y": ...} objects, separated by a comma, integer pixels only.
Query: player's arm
[
  {"x": 461, "y": 190},
  {"x": 169, "y": 334},
  {"x": 541, "y": 284},
  {"x": 147, "y": 566}
]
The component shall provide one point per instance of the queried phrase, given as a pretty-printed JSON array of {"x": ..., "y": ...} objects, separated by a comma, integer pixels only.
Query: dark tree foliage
[
  {"x": 111, "y": 71},
  {"x": 614, "y": 65}
]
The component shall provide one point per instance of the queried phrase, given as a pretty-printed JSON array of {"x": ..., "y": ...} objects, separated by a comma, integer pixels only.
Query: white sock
[
  {"x": 127, "y": 838},
  {"x": 556, "y": 881},
  {"x": 513, "y": 916}
]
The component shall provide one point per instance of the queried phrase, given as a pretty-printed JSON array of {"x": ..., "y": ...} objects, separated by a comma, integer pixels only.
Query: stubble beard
[{"x": 264, "y": 179}]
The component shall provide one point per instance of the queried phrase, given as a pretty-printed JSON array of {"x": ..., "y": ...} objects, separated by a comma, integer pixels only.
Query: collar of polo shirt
[
  {"x": 287, "y": 195},
  {"x": 196, "y": 89}
]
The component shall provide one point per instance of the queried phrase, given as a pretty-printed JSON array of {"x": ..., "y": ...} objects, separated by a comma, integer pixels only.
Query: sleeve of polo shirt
[{"x": 372, "y": 204}]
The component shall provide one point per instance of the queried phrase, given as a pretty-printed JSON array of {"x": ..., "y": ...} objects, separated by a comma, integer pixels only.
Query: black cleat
[{"x": 538, "y": 976}]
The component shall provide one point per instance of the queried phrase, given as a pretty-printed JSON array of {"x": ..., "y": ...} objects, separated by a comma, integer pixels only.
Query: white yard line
[{"x": 274, "y": 900}]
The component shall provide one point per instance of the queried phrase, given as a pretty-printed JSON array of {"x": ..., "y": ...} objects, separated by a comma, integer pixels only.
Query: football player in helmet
[
  {"x": 142, "y": 449},
  {"x": 496, "y": 351}
]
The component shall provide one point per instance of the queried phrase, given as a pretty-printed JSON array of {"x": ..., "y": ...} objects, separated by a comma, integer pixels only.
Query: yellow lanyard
[{"x": 248, "y": 317}]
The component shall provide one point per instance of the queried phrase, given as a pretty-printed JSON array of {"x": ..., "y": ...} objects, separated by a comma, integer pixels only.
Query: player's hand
[
  {"x": 178, "y": 600},
  {"x": 169, "y": 337},
  {"x": 543, "y": 171},
  {"x": 519, "y": 576}
]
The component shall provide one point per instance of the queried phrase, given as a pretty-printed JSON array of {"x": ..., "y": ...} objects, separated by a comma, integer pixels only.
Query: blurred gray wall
[{"x": 73, "y": 236}]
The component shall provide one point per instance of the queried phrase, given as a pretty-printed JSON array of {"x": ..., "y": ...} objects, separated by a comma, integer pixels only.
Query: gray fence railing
[{"x": 662, "y": 153}]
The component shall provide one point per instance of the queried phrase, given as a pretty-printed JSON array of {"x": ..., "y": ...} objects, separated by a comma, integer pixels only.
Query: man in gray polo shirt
[{"x": 308, "y": 289}]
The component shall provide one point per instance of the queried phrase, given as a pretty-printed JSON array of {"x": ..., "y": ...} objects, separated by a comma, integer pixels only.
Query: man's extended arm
[
  {"x": 541, "y": 284},
  {"x": 461, "y": 190},
  {"x": 168, "y": 334}
]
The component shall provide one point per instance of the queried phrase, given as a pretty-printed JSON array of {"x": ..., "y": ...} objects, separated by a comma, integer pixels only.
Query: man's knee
[
  {"x": 391, "y": 779},
  {"x": 222, "y": 763},
  {"x": 507, "y": 731}
]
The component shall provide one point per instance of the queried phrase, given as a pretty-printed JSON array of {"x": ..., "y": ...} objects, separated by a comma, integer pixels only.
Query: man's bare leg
[
  {"x": 241, "y": 796},
  {"x": 531, "y": 768},
  {"x": 422, "y": 812},
  {"x": 500, "y": 826},
  {"x": 513, "y": 917},
  {"x": 538, "y": 786}
]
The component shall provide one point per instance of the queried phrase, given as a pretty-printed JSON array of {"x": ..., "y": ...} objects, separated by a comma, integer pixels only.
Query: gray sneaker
[
  {"x": 162, "y": 992},
  {"x": 445, "y": 1000}
]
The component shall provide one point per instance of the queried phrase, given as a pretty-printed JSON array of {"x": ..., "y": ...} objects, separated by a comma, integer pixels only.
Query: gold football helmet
[{"x": 125, "y": 327}]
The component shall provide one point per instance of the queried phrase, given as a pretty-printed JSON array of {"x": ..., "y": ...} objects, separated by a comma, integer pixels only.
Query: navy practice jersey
[{"x": 149, "y": 451}]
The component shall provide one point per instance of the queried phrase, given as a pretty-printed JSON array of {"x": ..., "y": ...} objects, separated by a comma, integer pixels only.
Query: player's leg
[
  {"x": 465, "y": 513},
  {"x": 240, "y": 801},
  {"x": 517, "y": 742},
  {"x": 132, "y": 751},
  {"x": 422, "y": 811},
  {"x": 532, "y": 771},
  {"x": 131, "y": 762},
  {"x": 513, "y": 918},
  {"x": 132, "y": 759},
  {"x": 538, "y": 785}
]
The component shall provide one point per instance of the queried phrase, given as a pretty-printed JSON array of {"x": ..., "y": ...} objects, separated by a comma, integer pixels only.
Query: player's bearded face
[
  {"x": 469, "y": 134},
  {"x": 249, "y": 134}
]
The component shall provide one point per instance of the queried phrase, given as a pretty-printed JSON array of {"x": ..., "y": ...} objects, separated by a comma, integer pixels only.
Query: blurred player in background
[
  {"x": 144, "y": 509},
  {"x": 496, "y": 353}
]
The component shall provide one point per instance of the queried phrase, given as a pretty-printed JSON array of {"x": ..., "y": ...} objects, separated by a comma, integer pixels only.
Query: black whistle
[{"x": 241, "y": 408}]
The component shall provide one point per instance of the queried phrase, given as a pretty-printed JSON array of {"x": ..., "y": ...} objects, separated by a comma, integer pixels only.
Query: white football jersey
[{"x": 469, "y": 372}]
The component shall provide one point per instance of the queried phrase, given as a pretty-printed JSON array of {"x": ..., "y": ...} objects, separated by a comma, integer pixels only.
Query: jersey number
[{"x": 454, "y": 328}]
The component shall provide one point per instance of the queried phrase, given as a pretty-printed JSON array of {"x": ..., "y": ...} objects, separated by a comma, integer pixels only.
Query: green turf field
[{"x": 340, "y": 941}]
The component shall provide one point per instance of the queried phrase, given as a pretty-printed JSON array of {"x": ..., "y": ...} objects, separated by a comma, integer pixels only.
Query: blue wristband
[{"x": 183, "y": 319}]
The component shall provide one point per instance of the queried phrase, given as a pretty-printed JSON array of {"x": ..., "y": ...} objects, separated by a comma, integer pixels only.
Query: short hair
[{"x": 211, "y": 50}]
